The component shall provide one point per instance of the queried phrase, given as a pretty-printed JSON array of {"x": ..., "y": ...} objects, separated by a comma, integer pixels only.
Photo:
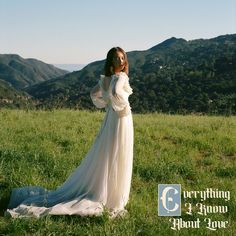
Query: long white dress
[{"x": 103, "y": 179}]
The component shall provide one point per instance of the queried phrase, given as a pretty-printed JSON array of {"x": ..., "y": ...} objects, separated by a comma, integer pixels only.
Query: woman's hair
[{"x": 109, "y": 67}]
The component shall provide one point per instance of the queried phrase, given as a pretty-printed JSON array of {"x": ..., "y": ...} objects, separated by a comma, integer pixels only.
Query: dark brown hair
[{"x": 109, "y": 67}]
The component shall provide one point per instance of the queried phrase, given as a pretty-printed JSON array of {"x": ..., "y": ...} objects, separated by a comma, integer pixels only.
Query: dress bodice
[
  {"x": 115, "y": 96},
  {"x": 109, "y": 93}
]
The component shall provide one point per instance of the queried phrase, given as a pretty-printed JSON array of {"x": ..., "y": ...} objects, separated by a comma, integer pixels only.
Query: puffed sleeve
[
  {"x": 96, "y": 96},
  {"x": 120, "y": 94}
]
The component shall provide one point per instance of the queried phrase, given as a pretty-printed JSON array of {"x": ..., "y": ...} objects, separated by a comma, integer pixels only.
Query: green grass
[{"x": 44, "y": 147}]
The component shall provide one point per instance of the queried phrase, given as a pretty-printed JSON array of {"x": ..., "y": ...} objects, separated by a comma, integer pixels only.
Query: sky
[{"x": 82, "y": 31}]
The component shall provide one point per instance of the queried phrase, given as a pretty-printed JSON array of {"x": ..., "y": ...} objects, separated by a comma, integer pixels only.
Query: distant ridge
[
  {"x": 20, "y": 72},
  {"x": 169, "y": 43}
]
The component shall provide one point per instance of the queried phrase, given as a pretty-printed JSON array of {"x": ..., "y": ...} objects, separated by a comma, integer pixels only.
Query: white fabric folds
[{"x": 103, "y": 178}]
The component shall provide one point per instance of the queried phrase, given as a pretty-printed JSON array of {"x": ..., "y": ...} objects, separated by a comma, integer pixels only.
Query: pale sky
[{"x": 82, "y": 31}]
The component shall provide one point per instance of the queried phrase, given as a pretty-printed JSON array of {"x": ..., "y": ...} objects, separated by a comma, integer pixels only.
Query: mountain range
[
  {"x": 17, "y": 73},
  {"x": 175, "y": 76},
  {"x": 22, "y": 72}
]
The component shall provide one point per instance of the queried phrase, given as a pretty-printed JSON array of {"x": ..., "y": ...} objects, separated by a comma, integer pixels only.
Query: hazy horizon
[{"x": 70, "y": 67}]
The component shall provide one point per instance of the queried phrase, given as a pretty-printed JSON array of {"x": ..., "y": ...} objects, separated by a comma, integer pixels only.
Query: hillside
[
  {"x": 175, "y": 76},
  {"x": 20, "y": 72},
  {"x": 12, "y": 98}
]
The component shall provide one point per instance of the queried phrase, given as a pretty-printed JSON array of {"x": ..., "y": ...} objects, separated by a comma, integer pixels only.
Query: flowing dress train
[{"x": 103, "y": 178}]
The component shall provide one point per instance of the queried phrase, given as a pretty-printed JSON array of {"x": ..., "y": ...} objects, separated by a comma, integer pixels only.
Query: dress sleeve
[
  {"x": 119, "y": 99},
  {"x": 96, "y": 96}
]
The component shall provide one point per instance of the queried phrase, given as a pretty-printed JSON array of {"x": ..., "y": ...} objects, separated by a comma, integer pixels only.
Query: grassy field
[{"x": 43, "y": 147}]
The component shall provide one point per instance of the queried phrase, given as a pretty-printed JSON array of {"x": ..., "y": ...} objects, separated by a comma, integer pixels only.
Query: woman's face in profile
[{"x": 119, "y": 61}]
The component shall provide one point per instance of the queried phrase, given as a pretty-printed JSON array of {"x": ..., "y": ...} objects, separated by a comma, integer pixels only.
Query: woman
[{"x": 102, "y": 180}]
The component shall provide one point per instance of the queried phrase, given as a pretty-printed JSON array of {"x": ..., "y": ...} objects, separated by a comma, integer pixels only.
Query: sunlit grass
[{"x": 44, "y": 147}]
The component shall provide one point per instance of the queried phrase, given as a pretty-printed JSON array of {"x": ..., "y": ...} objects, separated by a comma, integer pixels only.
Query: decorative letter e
[{"x": 166, "y": 199}]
